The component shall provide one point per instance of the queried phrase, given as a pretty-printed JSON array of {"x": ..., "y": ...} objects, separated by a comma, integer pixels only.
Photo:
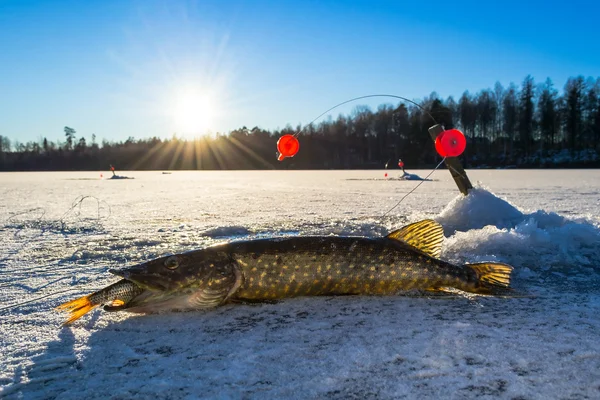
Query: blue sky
[{"x": 154, "y": 68}]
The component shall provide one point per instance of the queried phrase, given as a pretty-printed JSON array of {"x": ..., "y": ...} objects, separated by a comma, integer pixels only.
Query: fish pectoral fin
[
  {"x": 116, "y": 305},
  {"x": 426, "y": 236},
  {"x": 253, "y": 302},
  {"x": 441, "y": 290},
  {"x": 444, "y": 292}
]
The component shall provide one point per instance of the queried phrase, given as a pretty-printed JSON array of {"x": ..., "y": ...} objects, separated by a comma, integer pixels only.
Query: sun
[{"x": 194, "y": 113}]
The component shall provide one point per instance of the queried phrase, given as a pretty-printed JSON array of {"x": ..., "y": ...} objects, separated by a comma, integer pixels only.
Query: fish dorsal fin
[{"x": 426, "y": 235}]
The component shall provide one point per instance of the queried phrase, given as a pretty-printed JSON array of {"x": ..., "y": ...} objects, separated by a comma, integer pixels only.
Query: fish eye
[{"x": 172, "y": 262}]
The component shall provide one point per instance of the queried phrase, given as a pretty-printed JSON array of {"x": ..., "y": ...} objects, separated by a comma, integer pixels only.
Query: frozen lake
[{"x": 61, "y": 232}]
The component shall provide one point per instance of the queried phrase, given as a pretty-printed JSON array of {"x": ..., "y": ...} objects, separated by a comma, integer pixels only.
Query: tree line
[{"x": 528, "y": 126}]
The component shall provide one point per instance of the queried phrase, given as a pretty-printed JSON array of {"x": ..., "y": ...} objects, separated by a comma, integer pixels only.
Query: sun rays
[{"x": 194, "y": 112}]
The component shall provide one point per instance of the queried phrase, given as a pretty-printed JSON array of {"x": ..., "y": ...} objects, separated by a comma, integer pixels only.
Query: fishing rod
[{"x": 448, "y": 143}]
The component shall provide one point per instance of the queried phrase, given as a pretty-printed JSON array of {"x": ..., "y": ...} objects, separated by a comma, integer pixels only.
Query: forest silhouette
[{"x": 531, "y": 126}]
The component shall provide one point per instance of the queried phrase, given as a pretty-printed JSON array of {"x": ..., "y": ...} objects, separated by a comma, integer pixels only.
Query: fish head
[{"x": 178, "y": 271}]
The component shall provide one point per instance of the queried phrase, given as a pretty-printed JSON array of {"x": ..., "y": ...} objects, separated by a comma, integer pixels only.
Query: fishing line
[
  {"x": 64, "y": 223},
  {"x": 16, "y": 305},
  {"x": 458, "y": 172},
  {"x": 366, "y": 97},
  {"x": 386, "y": 164},
  {"x": 413, "y": 189},
  {"x": 77, "y": 205},
  {"x": 60, "y": 225}
]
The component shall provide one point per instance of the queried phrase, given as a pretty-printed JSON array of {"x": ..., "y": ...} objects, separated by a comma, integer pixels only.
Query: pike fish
[{"x": 269, "y": 269}]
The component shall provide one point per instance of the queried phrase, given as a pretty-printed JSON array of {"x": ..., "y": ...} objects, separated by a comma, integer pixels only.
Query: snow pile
[
  {"x": 482, "y": 226},
  {"x": 480, "y": 208},
  {"x": 227, "y": 232}
]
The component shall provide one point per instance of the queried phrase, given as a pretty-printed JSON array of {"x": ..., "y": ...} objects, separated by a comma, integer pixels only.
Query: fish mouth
[{"x": 141, "y": 278}]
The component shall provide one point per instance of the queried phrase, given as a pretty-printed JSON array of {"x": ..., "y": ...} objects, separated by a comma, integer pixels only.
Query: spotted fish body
[
  {"x": 267, "y": 269},
  {"x": 404, "y": 260},
  {"x": 311, "y": 266}
]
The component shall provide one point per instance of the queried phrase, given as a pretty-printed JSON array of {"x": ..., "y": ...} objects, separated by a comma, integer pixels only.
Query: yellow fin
[
  {"x": 493, "y": 275},
  {"x": 77, "y": 308},
  {"x": 117, "y": 303},
  {"x": 426, "y": 235}
]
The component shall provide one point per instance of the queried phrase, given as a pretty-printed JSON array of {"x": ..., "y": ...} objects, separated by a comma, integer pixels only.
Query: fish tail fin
[
  {"x": 493, "y": 278},
  {"x": 77, "y": 308}
]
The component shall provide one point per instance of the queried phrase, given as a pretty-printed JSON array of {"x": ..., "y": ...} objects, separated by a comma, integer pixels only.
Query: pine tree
[
  {"x": 574, "y": 91},
  {"x": 509, "y": 104},
  {"x": 547, "y": 115},
  {"x": 591, "y": 112},
  {"x": 526, "y": 114},
  {"x": 486, "y": 114},
  {"x": 70, "y": 135},
  {"x": 468, "y": 120}
]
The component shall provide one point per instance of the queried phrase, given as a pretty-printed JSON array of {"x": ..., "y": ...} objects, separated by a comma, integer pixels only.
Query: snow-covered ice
[{"x": 61, "y": 232}]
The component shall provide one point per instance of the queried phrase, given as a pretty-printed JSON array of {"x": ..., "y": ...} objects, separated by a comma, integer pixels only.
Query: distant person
[
  {"x": 112, "y": 169},
  {"x": 401, "y": 165}
]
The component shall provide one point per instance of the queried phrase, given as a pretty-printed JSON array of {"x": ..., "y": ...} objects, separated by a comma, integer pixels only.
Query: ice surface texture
[{"x": 545, "y": 223}]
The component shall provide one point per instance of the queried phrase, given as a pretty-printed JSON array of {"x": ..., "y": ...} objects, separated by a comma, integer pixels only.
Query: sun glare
[{"x": 194, "y": 113}]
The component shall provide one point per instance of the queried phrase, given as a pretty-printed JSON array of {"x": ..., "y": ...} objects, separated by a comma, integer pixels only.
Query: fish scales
[
  {"x": 305, "y": 266},
  {"x": 276, "y": 268},
  {"x": 123, "y": 290}
]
